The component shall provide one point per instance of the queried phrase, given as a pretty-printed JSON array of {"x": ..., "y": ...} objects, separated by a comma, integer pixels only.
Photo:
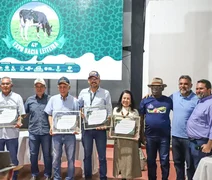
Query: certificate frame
[
  {"x": 11, "y": 113},
  {"x": 65, "y": 117},
  {"x": 132, "y": 135},
  {"x": 91, "y": 112}
]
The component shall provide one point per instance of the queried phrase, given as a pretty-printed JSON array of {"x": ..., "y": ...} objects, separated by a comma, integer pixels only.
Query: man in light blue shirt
[
  {"x": 62, "y": 102},
  {"x": 92, "y": 97},
  {"x": 9, "y": 135},
  {"x": 184, "y": 102},
  {"x": 199, "y": 126}
]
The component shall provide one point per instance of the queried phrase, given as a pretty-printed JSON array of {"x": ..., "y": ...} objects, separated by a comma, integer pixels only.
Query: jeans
[
  {"x": 162, "y": 145},
  {"x": 12, "y": 147},
  {"x": 101, "y": 141},
  {"x": 69, "y": 140},
  {"x": 197, "y": 153},
  {"x": 181, "y": 154},
  {"x": 34, "y": 144}
]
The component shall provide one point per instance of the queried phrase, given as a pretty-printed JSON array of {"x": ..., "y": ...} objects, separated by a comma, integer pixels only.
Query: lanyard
[{"x": 92, "y": 98}]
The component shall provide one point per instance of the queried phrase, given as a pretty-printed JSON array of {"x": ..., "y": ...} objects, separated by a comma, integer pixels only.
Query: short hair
[
  {"x": 206, "y": 82},
  {"x": 185, "y": 77},
  {"x": 6, "y": 77}
]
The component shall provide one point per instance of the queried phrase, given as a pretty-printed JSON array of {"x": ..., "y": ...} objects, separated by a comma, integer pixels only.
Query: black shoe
[{"x": 34, "y": 178}]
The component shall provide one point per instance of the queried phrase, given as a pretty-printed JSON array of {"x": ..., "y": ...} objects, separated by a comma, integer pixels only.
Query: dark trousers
[
  {"x": 161, "y": 145},
  {"x": 196, "y": 152},
  {"x": 34, "y": 144},
  {"x": 12, "y": 147},
  {"x": 101, "y": 140},
  {"x": 181, "y": 154}
]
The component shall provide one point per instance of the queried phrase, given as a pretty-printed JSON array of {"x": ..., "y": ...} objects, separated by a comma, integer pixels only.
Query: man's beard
[{"x": 185, "y": 91}]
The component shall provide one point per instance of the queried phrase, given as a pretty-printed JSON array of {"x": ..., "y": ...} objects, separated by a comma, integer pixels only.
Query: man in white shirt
[{"x": 9, "y": 135}]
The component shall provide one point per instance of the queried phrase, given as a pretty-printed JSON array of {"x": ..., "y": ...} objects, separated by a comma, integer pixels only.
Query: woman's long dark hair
[{"x": 132, "y": 105}]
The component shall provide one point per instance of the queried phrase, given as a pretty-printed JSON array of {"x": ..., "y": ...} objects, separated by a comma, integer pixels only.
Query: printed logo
[
  {"x": 157, "y": 110},
  {"x": 150, "y": 106},
  {"x": 35, "y": 29}
]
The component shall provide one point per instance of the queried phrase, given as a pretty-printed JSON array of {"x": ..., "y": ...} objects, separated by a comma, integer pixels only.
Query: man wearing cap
[
  {"x": 95, "y": 96},
  {"x": 9, "y": 135},
  {"x": 39, "y": 129},
  {"x": 62, "y": 102},
  {"x": 199, "y": 125},
  {"x": 155, "y": 110}
]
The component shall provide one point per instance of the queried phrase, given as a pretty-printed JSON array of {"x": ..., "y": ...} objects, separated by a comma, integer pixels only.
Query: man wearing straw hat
[{"x": 155, "y": 111}]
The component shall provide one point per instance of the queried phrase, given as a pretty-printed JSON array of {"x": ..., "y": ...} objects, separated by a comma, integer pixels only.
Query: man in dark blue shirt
[
  {"x": 39, "y": 129},
  {"x": 155, "y": 110}
]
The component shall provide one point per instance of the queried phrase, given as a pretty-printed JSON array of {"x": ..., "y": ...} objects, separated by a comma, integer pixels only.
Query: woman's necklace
[{"x": 122, "y": 113}]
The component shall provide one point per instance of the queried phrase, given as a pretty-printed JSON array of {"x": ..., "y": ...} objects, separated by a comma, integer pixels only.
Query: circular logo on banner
[{"x": 35, "y": 28}]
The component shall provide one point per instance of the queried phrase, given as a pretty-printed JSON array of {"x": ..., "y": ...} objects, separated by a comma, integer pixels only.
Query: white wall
[{"x": 178, "y": 40}]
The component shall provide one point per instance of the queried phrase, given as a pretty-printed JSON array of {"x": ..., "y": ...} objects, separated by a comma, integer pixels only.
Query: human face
[
  {"x": 94, "y": 82},
  {"x": 185, "y": 87},
  {"x": 202, "y": 91},
  {"x": 156, "y": 90},
  {"x": 126, "y": 100},
  {"x": 63, "y": 89},
  {"x": 39, "y": 89},
  {"x": 6, "y": 86}
]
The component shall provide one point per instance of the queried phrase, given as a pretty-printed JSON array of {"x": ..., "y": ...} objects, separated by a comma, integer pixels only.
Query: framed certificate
[
  {"x": 125, "y": 127},
  {"x": 66, "y": 122},
  {"x": 8, "y": 116},
  {"x": 95, "y": 117}
]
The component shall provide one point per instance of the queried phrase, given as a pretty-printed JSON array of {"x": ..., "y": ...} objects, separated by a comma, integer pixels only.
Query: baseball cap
[
  {"x": 63, "y": 80},
  {"x": 94, "y": 74},
  {"x": 40, "y": 80}
]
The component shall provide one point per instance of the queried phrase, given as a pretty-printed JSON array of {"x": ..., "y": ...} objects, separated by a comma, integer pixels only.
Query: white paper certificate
[
  {"x": 97, "y": 117},
  {"x": 7, "y": 115},
  {"x": 125, "y": 126},
  {"x": 66, "y": 122}
]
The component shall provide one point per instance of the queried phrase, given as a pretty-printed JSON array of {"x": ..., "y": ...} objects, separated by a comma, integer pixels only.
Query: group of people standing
[{"x": 191, "y": 128}]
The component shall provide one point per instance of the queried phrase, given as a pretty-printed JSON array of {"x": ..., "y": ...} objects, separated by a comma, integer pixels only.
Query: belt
[{"x": 195, "y": 140}]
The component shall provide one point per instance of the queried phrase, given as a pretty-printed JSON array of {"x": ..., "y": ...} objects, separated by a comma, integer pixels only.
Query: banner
[{"x": 52, "y": 38}]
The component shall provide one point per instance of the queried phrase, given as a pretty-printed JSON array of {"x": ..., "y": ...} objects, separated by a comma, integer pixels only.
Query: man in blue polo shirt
[
  {"x": 95, "y": 96},
  {"x": 155, "y": 110},
  {"x": 184, "y": 102},
  {"x": 199, "y": 126},
  {"x": 39, "y": 129},
  {"x": 62, "y": 102}
]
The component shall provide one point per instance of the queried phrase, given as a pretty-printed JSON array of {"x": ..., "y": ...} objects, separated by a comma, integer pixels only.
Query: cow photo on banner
[{"x": 51, "y": 37}]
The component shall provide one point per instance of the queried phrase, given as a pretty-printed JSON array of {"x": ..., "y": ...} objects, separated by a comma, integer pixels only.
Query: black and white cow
[{"x": 30, "y": 18}]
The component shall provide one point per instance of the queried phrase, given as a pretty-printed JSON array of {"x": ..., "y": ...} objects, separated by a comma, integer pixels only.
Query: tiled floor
[{"x": 25, "y": 171}]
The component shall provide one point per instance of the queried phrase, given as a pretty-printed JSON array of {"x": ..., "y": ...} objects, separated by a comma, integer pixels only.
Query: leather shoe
[{"x": 34, "y": 178}]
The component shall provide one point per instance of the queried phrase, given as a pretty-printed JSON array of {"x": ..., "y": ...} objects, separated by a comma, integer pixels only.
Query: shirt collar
[
  {"x": 7, "y": 95},
  {"x": 205, "y": 98},
  {"x": 89, "y": 90},
  {"x": 65, "y": 97},
  {"x": 37, "y": 97},
  {"x": 189, "y": 96}
]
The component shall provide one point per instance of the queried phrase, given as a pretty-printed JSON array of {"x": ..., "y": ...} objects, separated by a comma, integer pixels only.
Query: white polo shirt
[{"x": 12, "y": 99}]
